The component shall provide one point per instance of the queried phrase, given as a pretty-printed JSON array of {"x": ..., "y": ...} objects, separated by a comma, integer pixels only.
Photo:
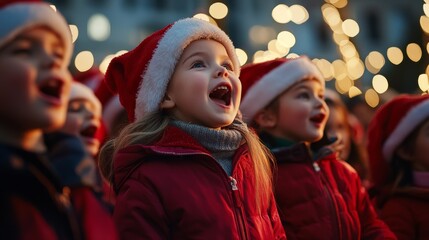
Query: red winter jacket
[
  {"x": 406, "y": 212},
  {"x": 323, "y": 199},
  {"x": 175, "y": 189}
]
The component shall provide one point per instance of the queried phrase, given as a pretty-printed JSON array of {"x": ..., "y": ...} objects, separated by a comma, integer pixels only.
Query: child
[
  {"x": 318, "y": 196},
  {"x": 35, "y": 50},
  {"x": 399, "y": 160},
  {"x": 187, "y": 168},
  {"x": 78, "y": 171},
  {"x": 348, "y": 130}
]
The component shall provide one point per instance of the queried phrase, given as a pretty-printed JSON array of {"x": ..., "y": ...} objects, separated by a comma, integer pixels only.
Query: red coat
[
  {"x": 323, "y": 199},
  {"x": 407, "y": 213},
  {"x": 176, "y": 190}
]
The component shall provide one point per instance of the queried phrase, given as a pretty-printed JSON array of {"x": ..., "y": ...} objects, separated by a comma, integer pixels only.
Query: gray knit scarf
[{"x": 222, "y": 144}]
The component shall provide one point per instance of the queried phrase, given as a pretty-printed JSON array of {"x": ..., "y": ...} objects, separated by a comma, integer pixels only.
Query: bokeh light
[
  {"x": 395, "y": 55},
  {"x": 84, "y": 61},
  {"x": 414, "y": 52},
  {"x": 423, "y": 82},
  {"x": 218, "y": 10},
  {"x": 74, "y": 31},
  {"x": 354, "y": 91},
  {"x": 98, "y": 27},
  {"x": 380, "y": 83},
  {"x": 242, "y": 56},
  {"x": 281, "y": 13},
  {"x": 372, "y": 98},
  {"x": 350, "y": 27},
  {"x": 299, "y": 14}
]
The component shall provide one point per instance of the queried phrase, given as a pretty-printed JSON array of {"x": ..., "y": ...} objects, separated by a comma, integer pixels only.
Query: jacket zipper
[
  {"x": 330, "y": 199},
  {"x": 236, "y": 200},
  {"x": 238, "y": 208}
]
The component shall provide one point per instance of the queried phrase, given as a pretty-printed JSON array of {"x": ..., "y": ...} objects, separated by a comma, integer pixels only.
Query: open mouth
[
  {"x": 51, "y": 89},
  {"x": 89, "y": 132},
  {"x": 221, "y": 94},
  {"x": 318, "y": 119}
]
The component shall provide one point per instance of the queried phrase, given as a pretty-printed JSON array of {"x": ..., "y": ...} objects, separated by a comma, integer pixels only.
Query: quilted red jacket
[
  {"x": 323, "y": 199},
  {"x": 175, "y": 189},
  {"x": 406, "y": 212}
]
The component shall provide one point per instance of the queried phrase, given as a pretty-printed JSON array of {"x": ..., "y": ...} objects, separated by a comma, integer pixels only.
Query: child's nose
[
  {"x": 51, "y": 61},
  {"x": 221, "y": 72}
]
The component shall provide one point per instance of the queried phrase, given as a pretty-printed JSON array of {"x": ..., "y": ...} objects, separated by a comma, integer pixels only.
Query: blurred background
[{"x": 364, "y": 48}]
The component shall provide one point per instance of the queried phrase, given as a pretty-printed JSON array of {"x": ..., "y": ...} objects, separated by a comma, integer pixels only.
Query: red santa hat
[
  {"x": 390, "y": 126},
  {"x": 18, "y": 16},
  {"x": 141, "y": 76},
  {"x": 263, "y": 82}
]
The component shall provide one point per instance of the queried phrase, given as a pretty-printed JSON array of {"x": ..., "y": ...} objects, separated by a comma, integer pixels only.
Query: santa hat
[
  {"x": 81, "y": 91},
  {"x": 390, "y": 126},
  {"x": 18, "y": 16},
  {"x": 263, "y": 82},
  {"x": 141, "y": 76}
]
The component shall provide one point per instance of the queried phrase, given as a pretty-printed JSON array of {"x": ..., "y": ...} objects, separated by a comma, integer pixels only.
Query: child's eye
[
  {"x": 304, "y": 95},
  {"x": 76, "y": 106},
  {"x": 198, "y": 64},
  {"x": 228, "y": 66},
  {"x": 22, "y": 51}
]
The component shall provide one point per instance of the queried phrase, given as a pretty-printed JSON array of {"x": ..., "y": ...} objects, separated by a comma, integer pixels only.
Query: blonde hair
[{"x": 150, "y": 129}]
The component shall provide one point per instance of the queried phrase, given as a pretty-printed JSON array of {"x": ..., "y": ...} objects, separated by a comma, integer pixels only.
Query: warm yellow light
[
  {"x": 287, "y": 39},
  {"x": 426, "y": 9},
  {"x": 299, "y": 14},
  {"x": 372, "y": 98},
  {"x": 74, "y": 31},
  {"x": 395, "y": 55},
  {"x": 277, "y": 49},
  {"x": 202, "y": 16},
  {"x": 355, "y": 68},
  {"x": 380, "y": 83},
  {"x": 258, "y": 56},
  {"x": 340, "y": 39},
  {"x": 339, "y": 3},
  {"x": 261, "y": 35},
  {"x": 427, "y": 70},
  {"x": 343, "y": 85},
  {"x": 218, "y": 10},
  {"x": 84, "y": 61},
  {"x": 374, "y": 61},
  {"x": 331, "y": 15},
  {"x": 414, "y": 52},
  {"x": 427, "y": 47},
  {"x": 53, "y": 7},
  {"x": 423, "y": 82},
  {"x": 105, "y": 63},
  {"x": 340, "y": 69},
  {"x": 292, "y": 55},
  {"x": 348, "y": 50},
  {"x": 424, "y": 23},
  {"x": 281, "y": 13},
  {"x": 350, "y": 27},
  {"x": 242, "y": 56},
  {"x": 354, "y": 91},
  {"x": 326, "y": 68},
  {"x": 98, "y": 27}
]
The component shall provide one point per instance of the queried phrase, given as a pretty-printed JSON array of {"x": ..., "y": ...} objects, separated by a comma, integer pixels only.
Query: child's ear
[
  {"x": 404, "y": 154},
  {"x": 167, "y": 103},
  {"x": 265, "y": 119}
]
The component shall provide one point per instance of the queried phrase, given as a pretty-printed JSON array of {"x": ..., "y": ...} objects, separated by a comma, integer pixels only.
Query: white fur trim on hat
[
  {"x": 407, "y": 124},
  {"x": 275, "y": 82},
  {"x": 17, "y": 17},
  {"x": 166, "y": 55},
  {"x": 81, "y": 91}
]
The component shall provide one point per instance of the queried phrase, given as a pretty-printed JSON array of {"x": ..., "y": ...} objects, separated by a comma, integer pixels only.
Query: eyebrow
[{"x": 36, "y": 40}]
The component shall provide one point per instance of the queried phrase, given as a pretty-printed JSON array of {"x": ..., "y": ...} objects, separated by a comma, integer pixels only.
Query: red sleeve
[
  {"x": 139, "y": 213},
  {"x": 398, "y": 217},
  {"x": 372, "y": 226}
]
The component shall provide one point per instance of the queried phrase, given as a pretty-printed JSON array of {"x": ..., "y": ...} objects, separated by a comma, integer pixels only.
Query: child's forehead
[{"x": 307, "y": 82}]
